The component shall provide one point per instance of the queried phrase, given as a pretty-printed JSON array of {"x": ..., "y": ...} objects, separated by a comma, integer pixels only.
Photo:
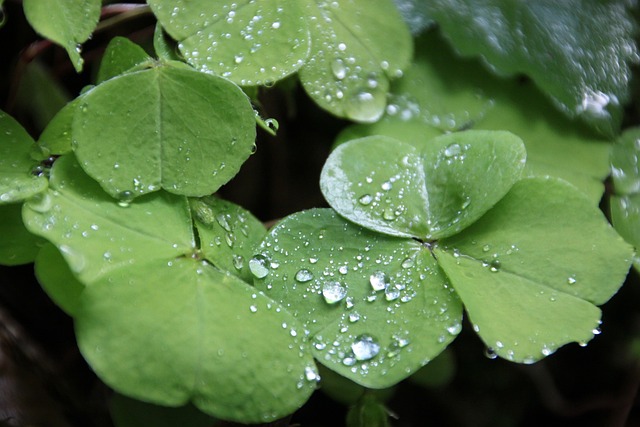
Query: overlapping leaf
[
  {"x": 426, "y": 193},
  {"x": 159, "y": 128},
  {"x": 154, "y": 320},
  {"x": 17, "y": 245},
  {"x": 17, "y": 178},
  {"x": 578, "y": 52},
  {"x": 527, "y": 274},
  {"x": 356, "y": 48},
  {"x": 120, "y": 56},
  {"x": 625, "y": 204},
  {"x": 66, "y": 22},
  {"x": 441, "y": 92},
  {"x": 377, "y": 307},
  {"x": 250, "y": 42}
]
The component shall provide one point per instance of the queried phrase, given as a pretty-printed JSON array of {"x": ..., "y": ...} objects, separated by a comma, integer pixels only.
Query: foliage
[{"x": 452, "y": 188}]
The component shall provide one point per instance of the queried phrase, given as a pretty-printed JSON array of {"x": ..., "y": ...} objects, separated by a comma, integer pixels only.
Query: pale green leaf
[
  {"x": 250, "y": 42},
  {"x": 427, "y": 193},
  {"x": 17, "y": 180},
  {"x": 113, "y": 235},
  {"x": 356, "y": 48},
  {"x": 228, "y": 234},
  {"x": 66, "y": 22},
  {"x": 377, "y": 307},
  {"x": 528, "y": 274},
  {"x": 170, "y": 333},
  {"x": 127, "y": 412},
  {"x": 159, "y": 128},
  {"x": 578, "y": 52}
]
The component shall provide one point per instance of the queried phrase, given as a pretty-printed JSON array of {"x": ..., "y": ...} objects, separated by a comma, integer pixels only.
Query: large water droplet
[
  {"x": 452, "y": 150},
  {"x": 365, "y": 200},
  {"x": 379, "y": 281},
  {"x": 304, "y": 275},
  {"x": 391, "y": 293},
  {"x": 223, "y": 220},
  {"x": 259, "y": 266},
  {"x": 365, "y": 106},
  {"x": 365, "y": 347},
  {"x": 238, "y": 262},
  {"x": 339, "y": 69},
  {"x": 333, "y": 292}
]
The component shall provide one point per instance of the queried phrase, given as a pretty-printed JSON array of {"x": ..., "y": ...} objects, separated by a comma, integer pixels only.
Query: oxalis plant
[{"x": 456, "y": 188}]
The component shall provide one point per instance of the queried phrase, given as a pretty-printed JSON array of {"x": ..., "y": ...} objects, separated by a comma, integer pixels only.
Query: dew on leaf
[
  {"x": 223, "y": 220},
  {"x": 391, "y": 293},
  {"x": 238, "y": 262},
  {"x": 339, "y": 69},
  {"x": 407, "y": 263},
  {"x": 365, "y": 347},
  {"x": 253, "y": 309},
  {"x": 494, "y": 266},
  {"x": 455, "y": 328},
  {"x": 311, "y": 374},
  {"x": 365, "y": 199},
  {"x": 333, "y": 291},
  {"x": 452, "y": 150},
  {"x": 304, "y": 275},
  {"x": 389, "y": 214},
  {"x": 258, "y": 265},
  {"x": 354, "y": 317},
  {"x": 571, "y": 279},
  {"x": 386, "y": 186},
  {"x": 490, "y": 353},
  {"x": 379, "y": 281}
]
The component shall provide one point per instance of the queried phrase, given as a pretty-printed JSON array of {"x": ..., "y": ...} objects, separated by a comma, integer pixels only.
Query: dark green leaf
[
  {"x": 17, "y": 244},
  {"x": 164, "y": 47},
  {"x": 57, "y": 137},
  {"x": 128, "y": 412},
  {"x": 250, "y": 42},
  {"x": 368, "y": 412},
  {"x": 377, "y": 307},
  {"x": 17, "y": 180},
  {"x": 120, "y": 56},
  {"x": 57, "y": 280},
  {"x": 579, "y": 52},
  {"x": 159, "y": 128},
  {"x": 66, "y": 22}
]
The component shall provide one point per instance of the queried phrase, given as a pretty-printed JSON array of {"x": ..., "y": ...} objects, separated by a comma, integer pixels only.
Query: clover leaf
[
  {"x": 426, "y": 193},
  {"x": 377, "y": 307},
  {"x": 154, "y": 319},
  {"x": 355, "y": 52},
  {"x": 561, "y": 45},
  {"x": 625, "y": 203},
  {"x": 120, "y": 56},
  {"x": 520, "y": 262},
  {"x": 157, "y": 128},
  {"x": 66, "y": 22},
  {"x": 18, "y": 178},
  {"x": 250, "y": 42}
]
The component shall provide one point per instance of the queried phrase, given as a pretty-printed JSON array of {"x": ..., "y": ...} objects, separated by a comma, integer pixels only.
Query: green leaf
[
  {"x": 249, "y": 42},
  {"x": 527, "y": 273},
  {"x": 446, "y": 92},
  {"x": 56, "y": 139},
  {"x": 158, "y": 128},
  {"x": 438, "y": 373},
  {"x": 66, "y": 22},
  {"x": 561, "y": 45},
  {"x": 368, "y": 412},
  {"x": 57, "y": 280},
  {"x": 625, "y": 204},
  {"x": 164, "y": 46},
  {"x": 377, "y": 307},
  {"x": 426, "y": 193},
  {"x": 183, "y": 331},
  {"x": 17, "y": 182},
  {"x": 228, "y": 234},
  {"x": 120, "y": 56},
  {"x": 413, "y": 132},
  {"x": 76, "y": 209},
  {"x": 416, "y": 14},
  {"x": 159, "y": 324},
  {"x": 17, "y": 245},
  {"x": 355, "y": 51},
  {"x": 127, "y": 412}
]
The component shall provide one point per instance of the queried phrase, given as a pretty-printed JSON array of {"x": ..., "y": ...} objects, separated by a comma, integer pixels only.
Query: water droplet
[
  {"x": 365, "y": 199},
  {"x": 386, "y": 186},
  {"x": 571, "y": 279},
  {"x": 339, "y": 69},
  {"x": 125, "y": 198},
  {"x": 333, "y": 292},
  {"x": 311, "y": 374},
  {"x": 388, "y": 214},
  {"x": 272, "y": 124},
  {"x": 365, "y": 347},
  {"x": 391, "y": 293},
  {"x": 486, "y": 248},
  {"x": 494, "y": 266},
  {"x": 343, "y": 269},
  {"x": 365, "y": 106},
  {"x": 223, "y": 220},
  {"x": 238, "y": 262},
  {"x": 452, "y": 150},
  {"x": 379, "y": 281},
  {"x": 354, "y": 317},
  {"x": 258, "y": 266},
  {"x": 490, "y": 353},
  {"x": 407, "y": 263},
  {"x": 455, "y": 328},
  {"x": 304, "y": 275},
  {"x": 253, "y": 308}
]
